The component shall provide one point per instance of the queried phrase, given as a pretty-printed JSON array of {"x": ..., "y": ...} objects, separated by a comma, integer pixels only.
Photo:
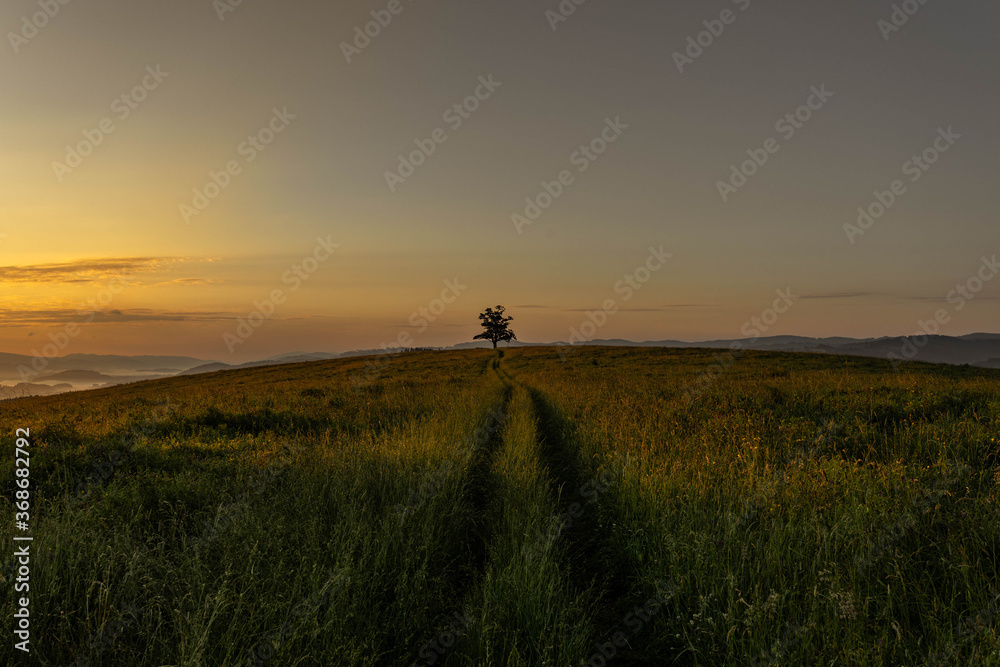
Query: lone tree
[{"x": 495, "y": 326}]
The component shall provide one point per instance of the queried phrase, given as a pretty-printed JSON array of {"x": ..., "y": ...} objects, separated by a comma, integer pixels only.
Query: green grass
[{"x": 509, "y": 508}]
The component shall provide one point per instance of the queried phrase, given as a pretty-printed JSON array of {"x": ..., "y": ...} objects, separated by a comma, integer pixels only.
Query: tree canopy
[{"x": 495, "y": 327}]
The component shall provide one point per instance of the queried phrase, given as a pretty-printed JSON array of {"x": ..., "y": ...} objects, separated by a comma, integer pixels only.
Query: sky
[{"x": 233, "y": 181}]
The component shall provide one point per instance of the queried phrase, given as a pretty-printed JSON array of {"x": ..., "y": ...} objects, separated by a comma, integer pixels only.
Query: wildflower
[
  {"x": 771, "y": 606},
  {"x": 846, "y": 604}
]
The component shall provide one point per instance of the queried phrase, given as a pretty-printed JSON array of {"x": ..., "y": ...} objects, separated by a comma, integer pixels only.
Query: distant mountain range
[
  {"x": 291, "y": 358},
  {"x": 22, "y": 389},
  {"x": 86, "y": 371},
  {"x": 978, "y": 349}
]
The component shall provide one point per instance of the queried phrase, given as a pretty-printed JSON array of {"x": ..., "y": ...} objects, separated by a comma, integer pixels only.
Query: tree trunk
[{"x": 494, "y": 345}]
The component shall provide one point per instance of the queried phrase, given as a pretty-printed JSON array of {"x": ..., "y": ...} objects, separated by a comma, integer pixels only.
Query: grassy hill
[{"x": 518, "y": 507}]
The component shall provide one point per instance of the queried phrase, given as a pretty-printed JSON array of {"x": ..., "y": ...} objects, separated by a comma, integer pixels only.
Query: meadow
[{"x": 516, "y": 507}]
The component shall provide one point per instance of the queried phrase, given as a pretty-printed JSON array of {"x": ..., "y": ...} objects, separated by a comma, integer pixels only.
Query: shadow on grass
[
  {"x": 479, "y": 492},
  {"x": 596, "y": 558}
]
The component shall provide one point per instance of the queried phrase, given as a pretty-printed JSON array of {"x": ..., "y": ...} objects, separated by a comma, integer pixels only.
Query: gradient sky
[{"x": 179, "y": 286}]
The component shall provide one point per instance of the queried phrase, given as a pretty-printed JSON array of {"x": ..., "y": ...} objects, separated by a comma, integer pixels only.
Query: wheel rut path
[{"x": 597, "y": 564}]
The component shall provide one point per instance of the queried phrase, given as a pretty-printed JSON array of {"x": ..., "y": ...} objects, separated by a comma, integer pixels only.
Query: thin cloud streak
[
  {"x": 84, "y": 270},
  {"x": 838, "y": 295}
]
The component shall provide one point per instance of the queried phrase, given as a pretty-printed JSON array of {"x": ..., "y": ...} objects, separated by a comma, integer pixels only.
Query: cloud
[
  {"x": 188, "y": 281},
  {"x": 654, "y": 309},
  {"x": 83, "y": 270},
  {"x": 84, "y": 315},
  {"x": 977, "y": 297},
  {"x": 837, "y": 295}
]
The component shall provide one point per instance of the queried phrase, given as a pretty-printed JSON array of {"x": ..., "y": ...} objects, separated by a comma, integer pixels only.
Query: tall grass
[
  {"x": 473, "y": 508},
  {"x": 814, "y": 510}
]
